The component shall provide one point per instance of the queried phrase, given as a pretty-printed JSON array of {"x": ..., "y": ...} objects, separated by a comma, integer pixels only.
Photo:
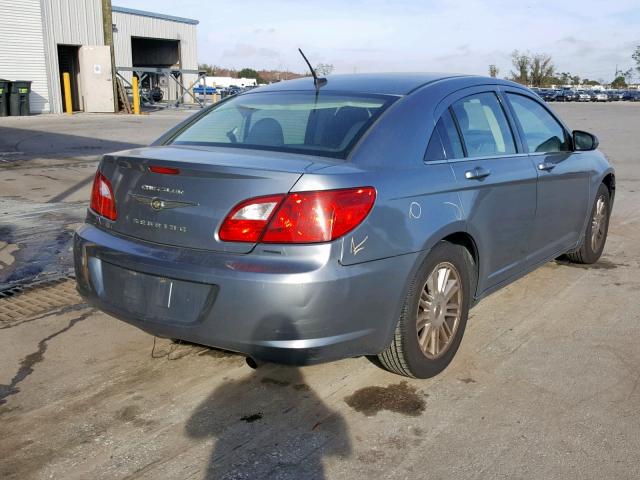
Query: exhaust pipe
[{"x": 252, "y": 362}]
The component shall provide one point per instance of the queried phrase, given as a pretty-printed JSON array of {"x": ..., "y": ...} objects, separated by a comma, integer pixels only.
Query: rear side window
[
  {"x": 435, "y": 149},
  {"x": 483, "y": 126},
  {"x": 450, "y": 136},
  {"x": 542, "y": 132},
  {"x": 326, "y": 124}
]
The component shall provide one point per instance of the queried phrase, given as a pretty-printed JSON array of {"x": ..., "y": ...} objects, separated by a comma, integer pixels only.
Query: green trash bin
[
  {"x": 19, "y": 99},
  {"x": 4, "y": 97}
]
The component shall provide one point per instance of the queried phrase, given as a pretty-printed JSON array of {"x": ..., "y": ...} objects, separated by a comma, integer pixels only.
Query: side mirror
[{"x": 584, "y": 141}]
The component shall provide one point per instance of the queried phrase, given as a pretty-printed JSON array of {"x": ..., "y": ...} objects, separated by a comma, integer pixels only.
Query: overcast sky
[{"x": 584, "y": 37}]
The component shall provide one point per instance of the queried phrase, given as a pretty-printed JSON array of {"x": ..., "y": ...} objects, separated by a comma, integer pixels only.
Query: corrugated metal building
[
  {"x": 146, "y": 39},
  {"x": 40, "y": 39},
  {"x": 22, "y": 52}
]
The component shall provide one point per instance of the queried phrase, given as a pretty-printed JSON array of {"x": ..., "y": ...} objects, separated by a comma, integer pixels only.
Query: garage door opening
[
  {"x": 68, "y": 62},
  {"x": 153, "y": 52},
  {"x": 156, "y": 53}
]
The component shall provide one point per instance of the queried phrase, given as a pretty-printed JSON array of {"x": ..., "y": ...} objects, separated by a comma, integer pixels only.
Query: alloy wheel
[
  {"x": 439, "y": 310},
  {"x": 599, "y": 223}
]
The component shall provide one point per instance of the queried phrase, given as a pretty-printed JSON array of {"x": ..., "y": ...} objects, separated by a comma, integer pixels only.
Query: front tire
[
  {"x": 434, "y": 314},
  {"x": 596, "y": 235}
]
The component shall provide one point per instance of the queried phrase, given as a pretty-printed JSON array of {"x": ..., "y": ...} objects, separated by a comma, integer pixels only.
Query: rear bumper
[{"x": 285, "y": 309}]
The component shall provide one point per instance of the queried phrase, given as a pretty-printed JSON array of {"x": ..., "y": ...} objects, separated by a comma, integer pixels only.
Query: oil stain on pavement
[{"x": 400, "y": 398}]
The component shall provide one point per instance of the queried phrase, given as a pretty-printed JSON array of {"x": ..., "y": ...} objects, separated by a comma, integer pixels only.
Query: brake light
[
  {"x": 302, "y": 217},
  {"x": 164, "y": 170},
  {"x": 102, "y": 199}
]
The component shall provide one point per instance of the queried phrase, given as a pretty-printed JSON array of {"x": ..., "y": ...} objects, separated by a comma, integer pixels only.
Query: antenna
[{"x": 317, "y": 82}]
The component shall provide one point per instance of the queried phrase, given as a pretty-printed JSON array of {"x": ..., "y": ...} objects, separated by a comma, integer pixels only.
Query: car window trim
[
  {"x": 515, "y": 132},
  {"x": 465, "y": 152},
  {"x": 495, "y": 87},
  {"x": 506, "y": 117},
  {"x": 525, "y": 145},
  {"x": 479, "y": 158}
]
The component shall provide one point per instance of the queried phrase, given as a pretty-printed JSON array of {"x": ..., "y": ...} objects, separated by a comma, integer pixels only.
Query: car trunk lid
[{"x": 187, "y": 208}]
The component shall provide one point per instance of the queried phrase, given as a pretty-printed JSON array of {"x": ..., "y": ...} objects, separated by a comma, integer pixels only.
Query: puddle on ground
[{"x": 400, "y": 398}]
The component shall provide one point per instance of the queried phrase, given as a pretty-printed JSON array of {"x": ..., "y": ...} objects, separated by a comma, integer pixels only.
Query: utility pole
[{"x": 107, "y": 24}]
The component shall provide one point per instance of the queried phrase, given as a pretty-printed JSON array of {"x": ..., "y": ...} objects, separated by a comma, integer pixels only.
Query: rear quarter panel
[{"x": 414, "y": 208}]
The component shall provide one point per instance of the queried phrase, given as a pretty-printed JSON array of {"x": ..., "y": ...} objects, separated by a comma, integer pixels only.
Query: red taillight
[
  {"x": 102, "y": 200},
  {"x": 247, "y": 220},
  {"x": 164, "y": 170},
  {"x": 303, "y": 217}
]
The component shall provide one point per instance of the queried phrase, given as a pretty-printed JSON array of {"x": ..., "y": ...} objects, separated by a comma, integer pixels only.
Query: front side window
[
  {"x": 483, "y": 126},
  {"x": 327, "y": 124},
  {"x": 542, "y": 132}
]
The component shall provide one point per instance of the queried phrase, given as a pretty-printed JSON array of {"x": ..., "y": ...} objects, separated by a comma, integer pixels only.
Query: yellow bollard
[
  {"x": 136, "y": 95},
  {"x": 66, "y": 80}
]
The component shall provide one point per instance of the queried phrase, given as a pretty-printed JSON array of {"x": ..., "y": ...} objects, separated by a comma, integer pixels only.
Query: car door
[
  {"x": 497, "y": 185},
  {"x": 563, "y": 181}
]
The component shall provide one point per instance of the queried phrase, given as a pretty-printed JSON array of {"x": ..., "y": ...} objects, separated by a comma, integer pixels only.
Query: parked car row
[
  {"x": 568, "y": 95},
  {"x": 222, "y": 91}
]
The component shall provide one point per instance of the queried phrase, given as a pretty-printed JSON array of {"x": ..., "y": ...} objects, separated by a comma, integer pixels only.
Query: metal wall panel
[
  {"x": 22, "y": 55},
  {"x": 31, "y": 30},
  {"x": 68, "y": 22},
  {"x": 129, "y": 25}
]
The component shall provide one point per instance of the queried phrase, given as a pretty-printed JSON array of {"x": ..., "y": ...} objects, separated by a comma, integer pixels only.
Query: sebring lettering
[{"x": 159, "y": 225}]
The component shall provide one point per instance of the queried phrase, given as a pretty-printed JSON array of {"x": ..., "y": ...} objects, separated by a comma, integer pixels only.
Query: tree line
[
  {"x": 262, "y": 76},
  {"x": 538, "y": 70}
]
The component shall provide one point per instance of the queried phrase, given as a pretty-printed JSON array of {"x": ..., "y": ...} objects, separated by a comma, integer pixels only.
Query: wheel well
[
  {"x": 610, "y": 182},
  {"x": 465, "y": 240}
]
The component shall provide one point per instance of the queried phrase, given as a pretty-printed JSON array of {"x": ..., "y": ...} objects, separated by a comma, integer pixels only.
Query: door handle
[
  {"x": 546, "y": 166},
  {"x": 477, "y": 173}
]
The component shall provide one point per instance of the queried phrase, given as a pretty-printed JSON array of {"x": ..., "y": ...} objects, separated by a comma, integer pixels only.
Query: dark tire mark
[{"x": 28, "y": 363}]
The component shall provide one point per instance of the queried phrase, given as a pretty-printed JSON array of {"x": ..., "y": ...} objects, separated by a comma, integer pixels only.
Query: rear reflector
[
  {"x": 164, "y": 170},
  {"x": 102, "y": 198},
  {"x": 302, "y": 217}
]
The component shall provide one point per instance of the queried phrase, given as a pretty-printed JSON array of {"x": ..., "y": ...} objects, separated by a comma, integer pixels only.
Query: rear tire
[
  {"x": 596, "y": 234},
  {"x": 434, "y": 314}
]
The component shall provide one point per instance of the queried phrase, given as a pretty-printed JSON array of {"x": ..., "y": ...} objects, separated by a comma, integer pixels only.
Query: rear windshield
[{"x": 328, "y": 124}]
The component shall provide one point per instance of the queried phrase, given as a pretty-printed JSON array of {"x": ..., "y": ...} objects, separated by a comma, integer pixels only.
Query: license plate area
[{"x": 151, "y": 298}]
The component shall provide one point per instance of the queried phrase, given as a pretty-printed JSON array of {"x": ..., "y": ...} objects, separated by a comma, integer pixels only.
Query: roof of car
[{"x": 382, "y": 83}]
